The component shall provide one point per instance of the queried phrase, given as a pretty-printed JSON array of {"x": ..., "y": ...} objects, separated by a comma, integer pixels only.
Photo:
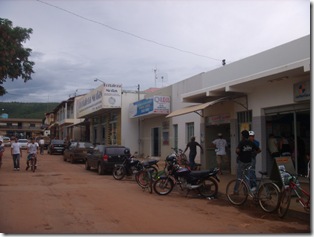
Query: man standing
[
  {"x": 253, "y": 163},
  {"x": 273, "y": 146},
  {"x": 192, "y": 145},
  {"x": 16, "y": 152},
  {"x": 41, "y": 145},
  {"x": 220, "y": 144},
  {"x": 245, "y": 151}
]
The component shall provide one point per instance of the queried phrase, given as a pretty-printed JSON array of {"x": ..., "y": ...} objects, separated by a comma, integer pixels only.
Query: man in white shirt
[
  {"x": 16, "y": 152},
  {"x": 220, "y": 144}
]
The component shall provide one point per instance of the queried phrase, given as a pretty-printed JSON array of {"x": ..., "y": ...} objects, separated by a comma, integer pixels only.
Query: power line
[{"x": 127, "y": 33}]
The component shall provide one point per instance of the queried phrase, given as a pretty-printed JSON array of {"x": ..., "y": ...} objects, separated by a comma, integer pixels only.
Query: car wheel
[
  {"x": 100, "y": 170},
  {"x": 87, "y": 167}
]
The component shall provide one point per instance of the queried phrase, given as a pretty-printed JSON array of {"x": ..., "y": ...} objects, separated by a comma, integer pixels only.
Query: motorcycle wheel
[
  {"x": 209, "y": 188},
  {"x": 142, "y": 178},
  {"x": 118, "y": 172},
  {"x": 163, "y": 186}
]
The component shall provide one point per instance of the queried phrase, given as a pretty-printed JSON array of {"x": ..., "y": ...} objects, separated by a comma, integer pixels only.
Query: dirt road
[{"x": 64, "y": 198}]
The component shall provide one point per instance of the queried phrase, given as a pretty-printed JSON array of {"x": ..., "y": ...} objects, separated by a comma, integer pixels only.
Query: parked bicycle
[
  {"x": 146, "y": 177},
  {"x": 293, "y": 186},
  {"x": 183, "y": 160},
  {"x": 267, "y": 194}
]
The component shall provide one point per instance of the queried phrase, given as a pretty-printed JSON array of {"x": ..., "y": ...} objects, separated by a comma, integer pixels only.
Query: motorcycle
[
  {"x": 132, "y": 166},
  {"x": 31, "y": 162},
  {"x": 205, "y": 181}
]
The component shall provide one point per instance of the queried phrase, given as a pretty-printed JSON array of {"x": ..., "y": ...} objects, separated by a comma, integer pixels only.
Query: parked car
[
  {"x": 6, "y": 141},
  {"x": 56, "y": 146},
  {"x": 104, "y": 157},
  {"x": 77, "y": 151},
  {"x": 23, "y": 143}
]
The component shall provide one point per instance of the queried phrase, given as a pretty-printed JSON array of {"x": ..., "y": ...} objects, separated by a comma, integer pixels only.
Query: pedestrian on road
[
  {"x": 41, "y": 145},
  {"x": 16, "y": 152},
  {"x": 1, "y": 152},
  {"x": 245, "y": 151},
  {"x": 32, "y": 151},
  {"x": 220, "y": 145},
  {"x": 253, "y": 163},
  {"x": 193, "y": 151}
]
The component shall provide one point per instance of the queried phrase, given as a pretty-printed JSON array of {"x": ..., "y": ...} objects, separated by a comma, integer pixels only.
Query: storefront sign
[
  {"x": 302, "y": 91},
  {"x": 153, "y": 105},
  {"x": 218, "y": 119},
  {"x": 105, "y": 96}
]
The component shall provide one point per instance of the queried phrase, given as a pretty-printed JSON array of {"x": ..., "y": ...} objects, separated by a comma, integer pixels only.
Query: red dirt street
[{"x": 64, "y": 198}]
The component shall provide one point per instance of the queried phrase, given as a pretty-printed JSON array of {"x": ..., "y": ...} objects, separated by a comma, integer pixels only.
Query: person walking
[
  {"x": 32, "y": 151},
  {"x": 253, "y": 163},
  {"x": 245, "y": 151},
  {"x": 220, "y": 145},
  {"x": 1, "y": 151},
  {"x": 16, "y": 152},
  {"x": 41, "y": 145},
  {"x": 193, "y": 151}
]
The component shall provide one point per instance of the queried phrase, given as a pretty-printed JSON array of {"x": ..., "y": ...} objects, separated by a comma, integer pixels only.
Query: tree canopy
[{"x": 14, "y": 62}]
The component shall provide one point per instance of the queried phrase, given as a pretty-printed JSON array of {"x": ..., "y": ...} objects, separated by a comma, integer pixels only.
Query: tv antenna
[{"x": 160, "y": 76}]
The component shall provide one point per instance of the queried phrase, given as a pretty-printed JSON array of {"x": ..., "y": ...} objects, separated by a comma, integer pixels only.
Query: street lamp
[{"x": 99, "y": 80}]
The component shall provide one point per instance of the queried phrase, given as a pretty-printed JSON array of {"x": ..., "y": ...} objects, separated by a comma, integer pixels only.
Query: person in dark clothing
[
  {"x": 245, "y": 151},
  {"x": 193, "y": 151}
]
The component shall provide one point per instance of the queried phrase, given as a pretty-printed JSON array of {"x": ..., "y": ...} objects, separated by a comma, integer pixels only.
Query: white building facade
[{"x": 268, "y": 92}]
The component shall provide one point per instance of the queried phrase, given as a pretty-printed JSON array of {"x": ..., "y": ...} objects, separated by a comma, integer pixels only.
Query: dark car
[
  {"x": 56, "y": 147},
  {"x": 77, "y": 151},
  {"x": 104, "y": 157}
]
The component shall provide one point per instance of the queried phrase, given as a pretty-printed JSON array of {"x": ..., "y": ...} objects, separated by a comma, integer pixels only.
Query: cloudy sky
[{"x": 124, "y": 41}]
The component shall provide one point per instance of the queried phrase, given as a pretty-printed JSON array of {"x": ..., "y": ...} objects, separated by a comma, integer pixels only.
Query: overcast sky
[{"x": 122, "y": 42}]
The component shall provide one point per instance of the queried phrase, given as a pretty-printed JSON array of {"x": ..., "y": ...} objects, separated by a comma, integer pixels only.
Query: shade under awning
[{"x": 193, "y": 108}]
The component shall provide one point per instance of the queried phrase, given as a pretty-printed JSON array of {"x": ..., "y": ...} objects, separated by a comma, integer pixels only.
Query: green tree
[{"x": 14, "y": 61}]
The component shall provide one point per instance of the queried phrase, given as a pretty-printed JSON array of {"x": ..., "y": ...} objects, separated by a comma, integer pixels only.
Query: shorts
[{"x": 220, "y": 159}]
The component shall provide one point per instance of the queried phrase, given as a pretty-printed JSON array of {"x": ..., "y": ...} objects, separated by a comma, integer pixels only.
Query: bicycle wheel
[
  {"x": 163, "y": 186},
  {"x": 239, "y": 196},
  {"x": 209, "y": 188},
  {"x": 284, "y": 202},
  {"x": 269, "y": 197}
]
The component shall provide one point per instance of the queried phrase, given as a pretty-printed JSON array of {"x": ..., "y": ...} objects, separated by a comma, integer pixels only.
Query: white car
[{"x": 23, "y": 143}]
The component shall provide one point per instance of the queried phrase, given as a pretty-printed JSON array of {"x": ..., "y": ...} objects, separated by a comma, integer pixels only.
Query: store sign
[
  {"x": 105, "y": 96},
  {"x": 153, "y": 105},
  {"x": 302, "y": 91},
  {"x": 218, "y": 119}
]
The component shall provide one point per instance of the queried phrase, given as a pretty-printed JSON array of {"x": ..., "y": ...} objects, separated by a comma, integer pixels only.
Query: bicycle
[
  {"x": 267, "y": 194},
  {"x": 303, "y": 197},
  {"x": 145, "y": 178},
  {"x": 183, "y": 160},
  {"x": 33, "y": 162}
]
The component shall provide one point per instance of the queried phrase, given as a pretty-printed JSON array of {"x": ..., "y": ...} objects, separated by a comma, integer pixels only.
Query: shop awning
[{"x": 193, "y": 108}]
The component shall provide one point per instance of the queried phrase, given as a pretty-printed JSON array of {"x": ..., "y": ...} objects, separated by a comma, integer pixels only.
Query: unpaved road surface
[{"x": 64, "y": 198}]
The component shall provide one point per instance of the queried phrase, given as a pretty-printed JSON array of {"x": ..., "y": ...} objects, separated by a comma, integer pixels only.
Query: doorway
[
  {"x": 296, "y": 127},
  {"x": 211, "y": 132},
  {"x": 156, "y": 141}
]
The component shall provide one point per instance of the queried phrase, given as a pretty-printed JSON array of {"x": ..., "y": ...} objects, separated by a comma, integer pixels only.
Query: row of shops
[{"x": 269, "y": 93}]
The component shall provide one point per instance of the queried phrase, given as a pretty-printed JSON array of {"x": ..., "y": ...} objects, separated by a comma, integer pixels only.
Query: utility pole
[{"x": 139, "y": 123}]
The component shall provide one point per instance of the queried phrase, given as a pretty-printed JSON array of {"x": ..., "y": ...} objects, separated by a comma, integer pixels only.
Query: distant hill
[{"x": 26, "y": 110}]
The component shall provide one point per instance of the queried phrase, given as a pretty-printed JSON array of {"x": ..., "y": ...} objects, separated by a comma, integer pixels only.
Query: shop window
[{"x": 189, "y": 131}]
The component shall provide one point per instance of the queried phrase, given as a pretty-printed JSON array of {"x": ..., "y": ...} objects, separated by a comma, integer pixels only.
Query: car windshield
[
  {"x": 23, "y": 141},
  {"x": 85, "y": 145},
  {"x": 57, "y": 141}
]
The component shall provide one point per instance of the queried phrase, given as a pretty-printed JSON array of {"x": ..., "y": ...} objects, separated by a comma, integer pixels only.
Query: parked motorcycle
[
  {"x": 205, "y": 181},
  {"x": 131, "y": 166}
]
